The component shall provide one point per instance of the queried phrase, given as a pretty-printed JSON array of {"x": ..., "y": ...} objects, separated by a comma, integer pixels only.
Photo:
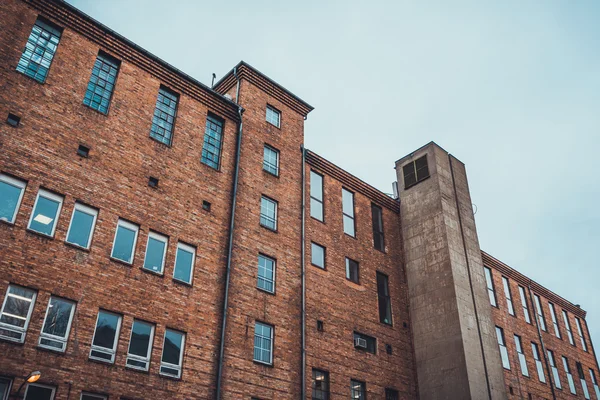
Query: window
[
  {"x": 16, "y": 313},
  {"x": 11, "y": 193},
  {"x": 568, "y": 325},
  {"x": 317, "y": 255},
  {"x": 348, "y": 212},
  {"x": 582, "y": 381},
  {"x": 581, "y": 334},
  {"x": 82, "y": 225},
  {"x": 140, "y": 345},
  {"x": 39, "y": 50},
  {"x": 106, "y": 336},
  {"x": 271, "y": 160},
  {"x": 263, "y": 343},
  {"x": 266, "y": 274},
  {"x": 358, "y": 390},
  {"x": 503, "y": 349},
  {"x": 213, "y": 139},
  {"x": 172, "y": 355},
  {"x": 378, "y": 238},
  {"x": 164, "y": 116},
  {"x": 569, "y": 375},
  {"x": 102, "y": 83},
  {"x": 415, "y": 172},
  {"x": 522, "y": 360},
  {"x": 184, "y": 263},
  {"x": 316, "y": 196},
  {"x": 35, "y": 391},
  {"x": 352, "y": 270},
  {"x": 554, "y": 320},
  {"x": 595, "y": 383},
  {"x": 320, "y": 385},
  {"x": 5, "y": 385},
  {"x": 365, "y": 342},
  {"x": 92, "y": 396},
  {"x": 45, "y": 212},
  {"x": 391, "y": 394},
  {"x": 383, "y": 295},
  {"x": 555, "y": 376},
  {"x": 125, "y": 239},
  {"x": 273, "y": 116},
  {"x": 156, "y": 250},
  {"x": 524, "y": 304},
  {"x": 57, "y": 324},
  {"x": 268, "y": 213},
  {"x": 490, "y": 286},
  {"x": 540, "y": 313},
  {"x": 538, "y": 362},
  {"x": 509, "y": 303}
]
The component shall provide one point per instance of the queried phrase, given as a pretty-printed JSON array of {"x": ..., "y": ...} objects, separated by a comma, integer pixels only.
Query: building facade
[{"x": 161, "y": 239}]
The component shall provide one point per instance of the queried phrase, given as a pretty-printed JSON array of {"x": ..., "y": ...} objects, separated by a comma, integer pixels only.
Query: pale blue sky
[{"x": 510, "y": 88}]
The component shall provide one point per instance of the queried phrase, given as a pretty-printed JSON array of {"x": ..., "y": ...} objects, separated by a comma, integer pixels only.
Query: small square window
[
  {"x": 415, "y": 172},
  {"x": 57, "y": 324},
  {"x": 83, "y": 151},
  {"x": 268, "y": 213},
  {"x": 11, "y": 193},
  {"x": 45, "y": 213},
  {"x": 271, "y": 160},
  {"x": 352, "y": 270},
  {"x": 106, "y": 337},
  {"x": 172, "y": 355},
  {"x": 266, "y": 273},
  {"x": 125, "y": 240},
  {"x": 206, "y": 205},
  {"x": 320, "y": 326},
  {"x": 153, "y": 182},
  {"x": 317, "y": 255},
  {"x": 273, "y": 116},
  {"x": 13, "y": 120},
  {"x": 156, "y": 250},
  {"x": 140, "y": 345},
  {"x": 184, "y": 263},
  {"x": 82, "y": 225}
]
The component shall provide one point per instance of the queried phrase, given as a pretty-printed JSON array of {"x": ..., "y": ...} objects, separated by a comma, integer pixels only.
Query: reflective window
[
  {"x": 352, "y": 270},
  {"x": 57, "y": 324},
  {"x": 521, "y": 354},
  {"x": 358, "y": 390},
  {"x": 172, "y": 354},
  {"x": 45, "y": 212},
  {"x": 213, "y": 138},
  {"x": 524, "y": 304},
  {"x": 508, "y": 296},
  {"x": 348, "y": 212},
  {"x": 156, "y": 250},
  {"x": 595, "y": 383},
  {"x": 263, "y": 343},
  {"x": 554, "y": 369},
  {"x": 5, "y": 385},
  {"x": 581, "y": 334},
  {"x": 320, "y": 385},
  {"x": 538, "y": 362},
  {"x": 568, "y": 326},
  {"x": 11, "y": 194},
  {"x": 266, "y": 273},
  {"x": 125, "y": 239},
  {"x": 268, "y": 213},
  {"x": 503, "y": 349},
  {"x": 582, "y": 381},
  {"x": 383, "y": 295},
  {"x": 569, "y": 375},
  {"x": 106, "y": 336},
  {"x": 140, "y": 345},
  {"x": 35, "y": 391},
  {"x": 317, "y": 255},
  {"x": 184, "y": 263},
  {"x": 16, "y": 313},
  {"x": 82, "y": 225},
  {"x": 39, "y": 50},
  {"x": 102, "y": 83},
  {"x": 378, "y": 238},
  {"x": 490, "y": 286},
  {"x": 271, "y": 160},
  {"x": 273, "y": 116},
  {"x": 164, "y": 116},
  {"x": 316, "y": 196},
  {"x": 554, "y": 319},
  {"x": 540, "y": 313}
]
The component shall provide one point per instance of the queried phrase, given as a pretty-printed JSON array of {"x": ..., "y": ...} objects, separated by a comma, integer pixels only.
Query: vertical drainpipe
[
  {"x": 230, "y": 242},
  {"x": 302, "y": 256}
]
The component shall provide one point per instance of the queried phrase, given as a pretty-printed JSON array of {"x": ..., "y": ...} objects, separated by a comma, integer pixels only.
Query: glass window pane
[
  {"x": 11, "y": 192},
  {"x": 317, "y": 255},
  {"x": 44, "y": 215},
  {"x": 316, "y": 186},
  {"x": 100, "y": 86},
  {"x": 183, "y": 265},
  {"x": 155, "y": 253},
  {"x": 266, "y": 273},
  {"x": 316, "y": 209},
  {"x": 106, "y": 330},
  {"x": 43, "y": 40},
  {"x": 172, "y": 347},
  {"x": 81, "y": 227},
  {"x": 211, "y": 150},
  {"x": 37, "y": 392},
  {"x": 124, "y": 243},
  {"x": 348, "y": 202},
  {"x": 141, "y": 334},
  {"x": 58, "y": 317}
]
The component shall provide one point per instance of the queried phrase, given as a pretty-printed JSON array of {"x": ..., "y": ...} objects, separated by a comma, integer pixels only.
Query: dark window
[
  {"x": 102, "y": 83},
  {"x": 365, "y": 342},
  {"x": 35, "y": 391},
  {"x": 317, "y": 255},
  {"x": 271, "y": 160},
  {"x": 320, "y": 326},
  {"x": 213, "y": 138},
  {"x": 383, "y": 294},
  {"x": 378, "y": 227},
  {"x": 348, "y": 212},
  {"x": 172, "y": 353},
  {"x": 13, "y": 120},
  {"x": 391, "y": 394},
  {"x": 5, "y": 385},
  {"x": 140, "y": 345},
  {"x": 83, "y": 151},
  {"x": 39, "y": 50},
  {"x": 352, "y": 270},
  {"x": 316, "y": 196},
  {"x": 164, "y": 116},
  {"x": 415, "y": 172},
  {"x": 358, "y": 390},
  {"x": 153, "y": 182},
  {"x": 106, "y": 336},
  {"x": 320, "y": 385}
]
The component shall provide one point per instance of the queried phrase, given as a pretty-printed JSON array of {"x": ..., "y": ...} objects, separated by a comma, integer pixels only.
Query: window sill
[
  {"x": 119, "y": 261},
  {"x": 183, "y": 283},
  {"x": 161, "y": 143},
  {"x": 350, "y": 236},
  {"x": 7, "y": 340},
  {"x": 210, "y": 166},
  {"x": 265, "y": 291},
  {"x": 30, "y": 78},
  {"x": 40, "y": 234},
  {"x": 49, "y": 350},
  {"x": 269, "y": 229},
  {"x": 172, "y": 378},
  {"x": 417, "y": 182},
  {"x": 5, "y": 222},
  {"x": 149, "y": 271},
  {"x": 138, "y": 370},
  {"x": 319, "y": 267},
  {"x": 271, "y": 174},
  {"x": 318, "y": 220},
  {"x": 264, "y": 364},
  {"x": 103, "y": 362},
  {"x": 98, "y": 111},
  {"x": 76, "y": 246}
]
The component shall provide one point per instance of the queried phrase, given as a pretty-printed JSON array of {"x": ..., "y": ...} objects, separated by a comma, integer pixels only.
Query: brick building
[{"x": 161, "y": 239}]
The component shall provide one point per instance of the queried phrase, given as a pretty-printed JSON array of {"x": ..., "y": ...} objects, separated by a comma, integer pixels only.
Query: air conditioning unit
[{"x": 360, "y": 343}]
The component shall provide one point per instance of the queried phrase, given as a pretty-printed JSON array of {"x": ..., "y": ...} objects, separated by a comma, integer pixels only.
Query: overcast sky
[{"x": 510, "y": 88}]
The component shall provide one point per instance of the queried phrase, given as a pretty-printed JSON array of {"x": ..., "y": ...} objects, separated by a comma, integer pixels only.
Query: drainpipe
[
  {"x": 230, "y": 242},
  {"x": 302, "y": 256}
]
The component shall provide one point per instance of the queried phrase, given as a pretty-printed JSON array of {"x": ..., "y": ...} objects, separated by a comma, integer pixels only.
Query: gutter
[{"x": 302, "y": 261}]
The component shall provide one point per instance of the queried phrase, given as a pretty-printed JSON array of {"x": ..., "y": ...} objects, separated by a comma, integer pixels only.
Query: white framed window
[
  {"x": 271, "y": 160},
  {"x": 316, "y": 196},
  {"x": 521, "y": 354},
  {"x": 502, "y": 346},
  {"x": 92, "y": 396},
  {"x": 554, "y": 320},
  {"x": 507, "y": 294},
  {"x": 140, "y": 345},
  {"x": 263, "y": 343},
  {"x": 581, "y": 334},
  {"x": 568, "y": 326},
  {"x": 11, "y": 193},
  {"x": 81, "y": 228},
  {"x": 36, "y": 391},
  {"x": 46, "y": 211},
  {"x": 5, "y": 386},
  {"x": 540, "y": 312},
  {"x": 268, "y": 213},
  {"x": 156, "y": 251},
  {"x": 125, "y": 240},
  {"x": 569, "y": 375},
  {"x": 524, "y": 304},
  {"x": 348, "y": 212},
  {"x": 273, "y": 116},
  {"x": 16, "y": 313},
  {"x": 490, "y": 286},
  {"x": 554, "y": 369},
  {"x": 184, "y": 263},
  {"x": 538, "y": 362},
  {"x": 106, "y": 336},
  {"x": 57, "y": 324},
  {"x": 266, "y": 273},
  {"x": 171, "y": 360}
]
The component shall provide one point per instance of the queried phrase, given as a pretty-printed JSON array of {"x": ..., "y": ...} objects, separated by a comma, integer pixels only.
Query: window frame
[
  {"x": 569, "y": 374},
  {"x": 554, "y": 320},
  {"x": 380, "y": 230},
  {"x": 570, "y": 336},
  {"x": 113, "y": 351},
  {"x": 324, "y": 393},
  {"x": 165, "y": 364},
  {"x": 162, "y": 90},
  {"x": 135, "y": 357},
  {"x": 503, "y": 349},
  {"x": 349, "y": 271},
  {"x": 524, "y": 304},
  {"x": 48, "y": 195},
  {"x": 345, "y": 215},
  {"x": 56, "y": 338},
  {"x": 266, "y": 217},
  {"x": 581, "y": 334},
  {"x": 132, "y": 227},
  {"x": 274, "y": 111},
  {"x": 555, "y": 375},
  {"x": 86, "y": 210},
  {"x": 259, "y": 277},
  {"x": 93, "y": 395},
  {"x": 363, "y": 389},
  {"x": 6, "y": 395},
  {"x": 272, "y": 339},
  {"x": 316, "y": 199},
  {"x": 13, "y": 328},
  {"x": 413, "y": 170},
  {"x": 268, "y": 164},
  {"x": 508, "y": 295},
  {"x": 371, "y": 342},
  {"x": 539, "y": 312},
  {"x": 159, "y": 238},
  {"x": 190, "y": 249},
  {"x": 535, "y": 351},
  {"x": 216, "y": 120},
  {"x": 521, "y": 355},
  {"x": 386, "y": 297},
  {"x": 489, "y": 283},
  {"x": 20, "y": 184},
  {"x": 312, "y": 245},
  {"x": 52, "y": 29},
  {"x": 391, "y": 394},
  {"x": 53, "y": 388},
  {"x": 594, "y": 382},
  {"x": 113, "y": 62}
]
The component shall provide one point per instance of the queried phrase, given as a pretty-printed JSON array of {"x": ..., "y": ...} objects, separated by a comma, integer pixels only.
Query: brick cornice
[
  {"x": 518, "y": 277},
  {"x": 71, "y": 18}
]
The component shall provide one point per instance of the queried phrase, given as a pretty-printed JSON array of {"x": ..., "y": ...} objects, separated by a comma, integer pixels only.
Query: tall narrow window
[
  {"x": 540, "y": 313},
  {"x": 348, "y": 212},
  {"x": 268, "y": 213},
  {"x": 358, "y": 390},
  {"x": 503, "y": 349},
  {"x": 383, "y": 295},
  {"x": 164, "y": 116},
  {"x": 554, "y": 368},
  {"x": 45, "y": 212},
  {"x": 378, "y": 238},
  {"x": 57, "y": 324},
  {"x": 391, "y": 394},
  {"x": 273, "y": 116},
  {"x": 184, "y": 263},
  {"x": 39, "y": 50},
  {"x": 266, "y": 274},
  {"x": 507, "y": 294},
  {"x": 16, "y": 313},
  {"x": 554, "y": 319},
  {"x": 538, "y": 362},
  {"x": 140, "y": 345},
  {"x": 263, "y": 343},
  {"x": 271, "y": 160},
  {"x": 490, "y": 286},
  {"x": 171, "y": 361},
  {"x": 11, "y": 193},
  {"x": 82, "y": 225},
  {"x": 156, "y": 251},
  {"x": 35, "y": 391},
  {"x": 582, "y": 381},
  {"x": 106, "y": 336},
  {"x": 102, "y": 83},
  {"x": 581, "y": 334},
  {"x": 521, "y": 354},
  {"x": 595, "y": 383},
  {"x": 124, "y": 243},
  {"x": 569, "y": 375},
  {"x": 352, "y": 270},
  {"x": 317, "y": 255},
  {"x": 320, "y": 385},
  {"x": 524, "y": 304},
  {"x": 415, "y": 172},
  {"x": 5, "y": 386},
  {"x": 213, "y": 139},
  {"x": 316, "y": 196},
  {"x": 568, "y": 326}
]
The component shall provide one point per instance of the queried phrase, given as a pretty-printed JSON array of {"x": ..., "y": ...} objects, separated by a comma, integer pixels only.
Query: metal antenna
[{"x": 213, "y": 80}]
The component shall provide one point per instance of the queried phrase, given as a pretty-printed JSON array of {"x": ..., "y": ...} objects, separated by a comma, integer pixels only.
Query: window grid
[
  {"x": 81, "y": 219},
  {"x": 507, "y": 294},
  {"x": 164, "y": 116},
  {"x": 415, "y": 172},
  {"x": 358, "y": 390},
  {"x": 317, "y": 210},
  {"x": 171, "y": 360},
  {"x": 554, "y": 369},
  {"x": 378, "y": 236},
  {"x": 348, "y": 212},
  {"x": 320, "y": 385},
  {"x": 384, "y": 300},
  {"x": 46, "y": 212},
  {"x": 57, "y": 324},
  {"x": 490, "y": 286},
  {"x": 568, "y": 326},
  {"x": 524, "y": 304},
  {"x": 391, "y": 394},
  {"x": 268, "y": 213},
  {"x": 581, "y": 334},
  {"x": 273, "y": 116},
  {"x": 213, "y": 138},
  {"x": 569, "y": 375},
  {"x": 271, "y": 160},
  {"x": 266, "y": 273},
  {"x": 11, "y": 191},
  {"x": 102, "y": 83},
  {"x": 521, "y": 356},
  {"x": 540, "y": 312},
  {"x": 554, "y": 320},
  {"x": 39, "y": 51},
  {"x": 503, "y": 349},
  {"x": 538, "y": 362},
  {"x": 16, "y": 313},
  {"x": 263, "y": 343}
]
